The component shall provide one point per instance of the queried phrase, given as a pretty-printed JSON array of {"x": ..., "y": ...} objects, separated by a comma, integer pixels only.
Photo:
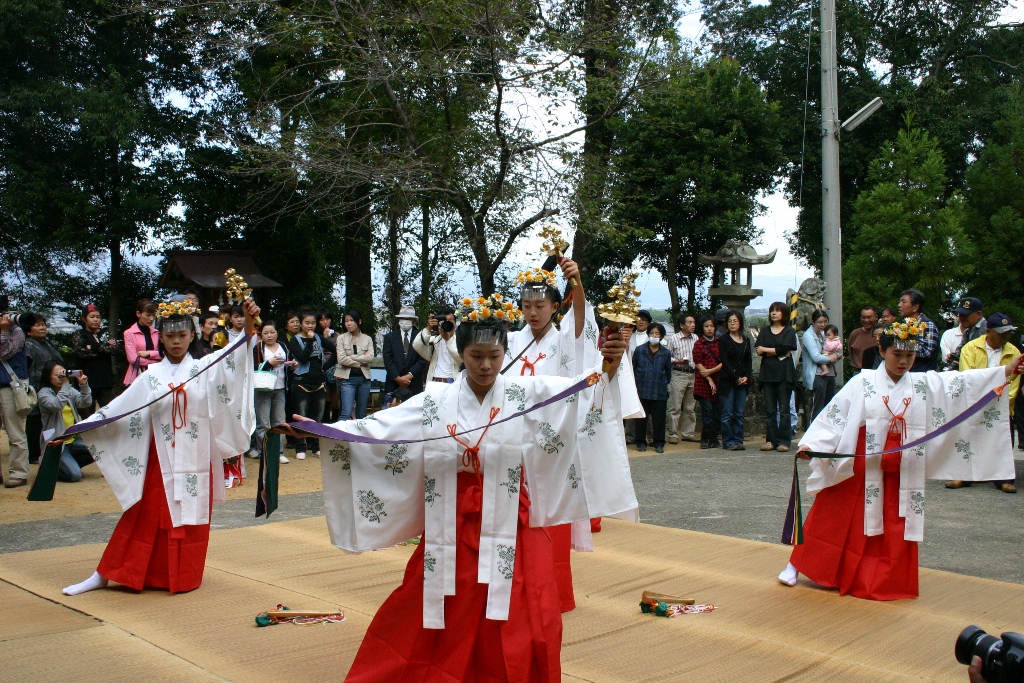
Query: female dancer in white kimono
[
  {"x": 862, "y": 531},
  {"x": 161, "y": 446},
  {"x": 479, "y": 601}
]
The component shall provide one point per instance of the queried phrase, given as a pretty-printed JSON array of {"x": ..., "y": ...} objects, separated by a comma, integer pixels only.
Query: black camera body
[
  {"x": 1002, "y": 659},
  {"x": 443, "y": 323}
]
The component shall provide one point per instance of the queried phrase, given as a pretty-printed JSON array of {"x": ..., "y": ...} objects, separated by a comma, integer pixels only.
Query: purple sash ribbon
[
  {"x": 83, "y": 427},
  {"x": 793, "y": 526},
  {"x": 328, "y": 432}
]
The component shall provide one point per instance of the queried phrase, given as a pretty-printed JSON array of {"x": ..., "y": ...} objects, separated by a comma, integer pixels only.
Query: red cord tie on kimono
[
  {"x": 471, "y": 456},
  {"x": 792, "y": 527},
  {"x": 179, "y": 404},
  {"x": 897, "y": 426},
  {"x": 527, "y": 363}
]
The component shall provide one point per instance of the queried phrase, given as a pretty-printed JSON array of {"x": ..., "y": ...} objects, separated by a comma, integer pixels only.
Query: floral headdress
[
  {"x": 907, "y": 334},
  {"x": 173, "y": 316},
  {"x": 489, "y": 309},
  {"x": 534, "y": 283}
]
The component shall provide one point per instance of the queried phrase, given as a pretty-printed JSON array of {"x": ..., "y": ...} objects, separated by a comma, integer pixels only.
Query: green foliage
[
  {"x": 908, "y": 233},
  {"x": 85, "y": 132},
  {"x": 995, "y": 211},
  {"x": 942, "y": 60},
  {"x": 689, "y": 162}
]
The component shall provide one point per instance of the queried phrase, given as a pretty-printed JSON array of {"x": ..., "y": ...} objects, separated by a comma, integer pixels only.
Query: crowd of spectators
[{"x": 325, "y": 374}]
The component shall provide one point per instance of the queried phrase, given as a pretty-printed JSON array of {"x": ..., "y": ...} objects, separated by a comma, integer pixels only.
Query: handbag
[
  {"x": 25, "y": 398},
  {"x": 264, "y": 380}
]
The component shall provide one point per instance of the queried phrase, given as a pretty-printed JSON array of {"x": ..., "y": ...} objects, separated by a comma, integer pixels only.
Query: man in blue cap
[
  {"x": 972, "y": 325},
  {"x": 992, "y": 350}
]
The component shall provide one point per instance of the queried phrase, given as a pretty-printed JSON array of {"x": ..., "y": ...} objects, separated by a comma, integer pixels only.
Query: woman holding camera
[
  {"x": 59, "y": 406},
  {"x": 94, "y": 354},
  {"x": 40, "y": 351},
  {"x": 141, "y": 341}
]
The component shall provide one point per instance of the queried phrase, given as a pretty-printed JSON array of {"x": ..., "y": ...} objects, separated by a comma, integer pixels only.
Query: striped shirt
[{"x": 681, "y": 348}]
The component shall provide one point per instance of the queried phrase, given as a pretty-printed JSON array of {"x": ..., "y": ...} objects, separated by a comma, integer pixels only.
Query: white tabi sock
[
  {"x": 92, "y": 583},
  {"x": 788, "y": 575}
]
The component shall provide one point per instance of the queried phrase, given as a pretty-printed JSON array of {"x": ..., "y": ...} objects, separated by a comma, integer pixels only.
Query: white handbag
[{"x": 264, "y": 380}]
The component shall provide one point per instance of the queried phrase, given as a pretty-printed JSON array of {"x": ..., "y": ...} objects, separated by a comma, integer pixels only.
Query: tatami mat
[{"x": 761, "y": 632}]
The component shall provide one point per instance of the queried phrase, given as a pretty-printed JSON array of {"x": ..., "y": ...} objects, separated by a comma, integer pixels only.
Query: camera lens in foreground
[{"x": 973, "y": 641}]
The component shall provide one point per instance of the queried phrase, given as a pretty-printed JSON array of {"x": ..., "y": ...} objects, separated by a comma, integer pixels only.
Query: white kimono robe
[
  {"x": 218, "y": 422},
  {"x": 379, "y": 495},
  {"x": 566, "y": 355},
  {"x": 977, "y": 450}
]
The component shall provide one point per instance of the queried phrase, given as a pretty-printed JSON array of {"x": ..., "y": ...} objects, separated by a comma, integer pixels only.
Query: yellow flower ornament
[
  {"x": 491, "y": 308},
  {"x": 907, "y": 333}
]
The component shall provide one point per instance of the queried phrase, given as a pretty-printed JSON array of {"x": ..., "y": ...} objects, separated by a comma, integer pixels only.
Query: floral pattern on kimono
[
  {"x": 421, "y": 498},
  {"x": 977, "y": 450},
  {"x": 218, "y": 420}
]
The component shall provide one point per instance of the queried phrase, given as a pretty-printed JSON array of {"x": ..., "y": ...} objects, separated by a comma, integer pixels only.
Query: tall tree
[
  {"x": 909, "y": 233},
  {"x": 941, "y": 60},
  {"x": 995, "y": 210},
  {"x": 612, "y": 42},
  {"x": 689, "y": 163},
  {"x": 87, "y": 127}
]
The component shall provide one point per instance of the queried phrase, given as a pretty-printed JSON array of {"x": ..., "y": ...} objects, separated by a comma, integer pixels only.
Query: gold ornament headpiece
[
  {"x": 175, "y": 316},
  {"x": 489, "y": 309},
  {"x": 534, "y": 283},
  {"x": 173, "y": 308},
  {"x": 907, "y": 334}
]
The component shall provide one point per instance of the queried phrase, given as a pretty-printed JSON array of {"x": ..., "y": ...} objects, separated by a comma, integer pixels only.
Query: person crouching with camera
[
  {"x": 436, "y": 345},
  {"x": 59, "y": 403}
]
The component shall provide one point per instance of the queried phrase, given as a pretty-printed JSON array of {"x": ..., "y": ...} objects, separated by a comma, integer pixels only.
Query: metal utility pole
[{"x": 831, "y": 238}]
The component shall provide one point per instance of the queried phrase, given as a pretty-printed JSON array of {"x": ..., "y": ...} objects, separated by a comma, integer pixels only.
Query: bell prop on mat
[
  {"x": 554, "y": 246},
  {"x": 237, "y": 289},
  {"x": 623, "y": 307}
]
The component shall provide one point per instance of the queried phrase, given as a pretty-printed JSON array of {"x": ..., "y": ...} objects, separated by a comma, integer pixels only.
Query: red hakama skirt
[
  {"x": 835, "y": 551},
  {"x": 561, "y": 542},
  {"x": 147, "y": 551},
  {"x": 471, "y": 648}
]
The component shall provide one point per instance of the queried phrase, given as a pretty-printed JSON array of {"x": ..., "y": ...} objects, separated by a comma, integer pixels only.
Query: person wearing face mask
[
  {"x": 405, "y": 368},
  {"x": 652, "y": 367}
]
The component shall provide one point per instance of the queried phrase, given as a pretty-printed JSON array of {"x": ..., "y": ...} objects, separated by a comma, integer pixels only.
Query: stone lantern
[{"x": 735, "y": 259}]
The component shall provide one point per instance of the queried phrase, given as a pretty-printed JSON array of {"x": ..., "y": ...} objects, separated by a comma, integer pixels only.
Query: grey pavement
[{"x": 977, "y": 531}]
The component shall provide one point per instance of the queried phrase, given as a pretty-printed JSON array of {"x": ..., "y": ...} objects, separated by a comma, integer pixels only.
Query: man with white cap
[
  {"x": 404, "y": 366},
  {"x": 990, "y": 351}
]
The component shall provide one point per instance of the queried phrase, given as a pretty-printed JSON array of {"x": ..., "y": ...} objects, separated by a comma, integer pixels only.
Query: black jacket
[
  {"x": 397, "y": 362},
  {"x": 736, "y": 359}
]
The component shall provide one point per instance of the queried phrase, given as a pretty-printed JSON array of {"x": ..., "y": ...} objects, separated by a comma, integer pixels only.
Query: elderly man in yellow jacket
[{"x": 987, "y": 352}]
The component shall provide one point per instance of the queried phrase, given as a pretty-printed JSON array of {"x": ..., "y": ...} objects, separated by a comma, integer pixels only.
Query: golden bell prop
[
  {"x": 623, "y": 307},
  {"x": 555, "y": 245},
  {"x": 237, "y": 290}
]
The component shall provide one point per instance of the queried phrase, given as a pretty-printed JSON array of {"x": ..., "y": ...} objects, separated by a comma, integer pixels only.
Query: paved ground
[{"x": 977, "y": 531}]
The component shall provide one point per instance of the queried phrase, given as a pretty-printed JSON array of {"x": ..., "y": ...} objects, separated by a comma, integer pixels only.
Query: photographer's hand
[
  {"x": 82, "y": 380},
  {"x": 6, "y": 323},
  {"x": 974, "y": 671}
]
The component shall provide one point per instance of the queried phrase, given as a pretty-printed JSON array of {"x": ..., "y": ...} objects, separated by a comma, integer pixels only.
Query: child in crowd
[{"x": 833, "y": 344}]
